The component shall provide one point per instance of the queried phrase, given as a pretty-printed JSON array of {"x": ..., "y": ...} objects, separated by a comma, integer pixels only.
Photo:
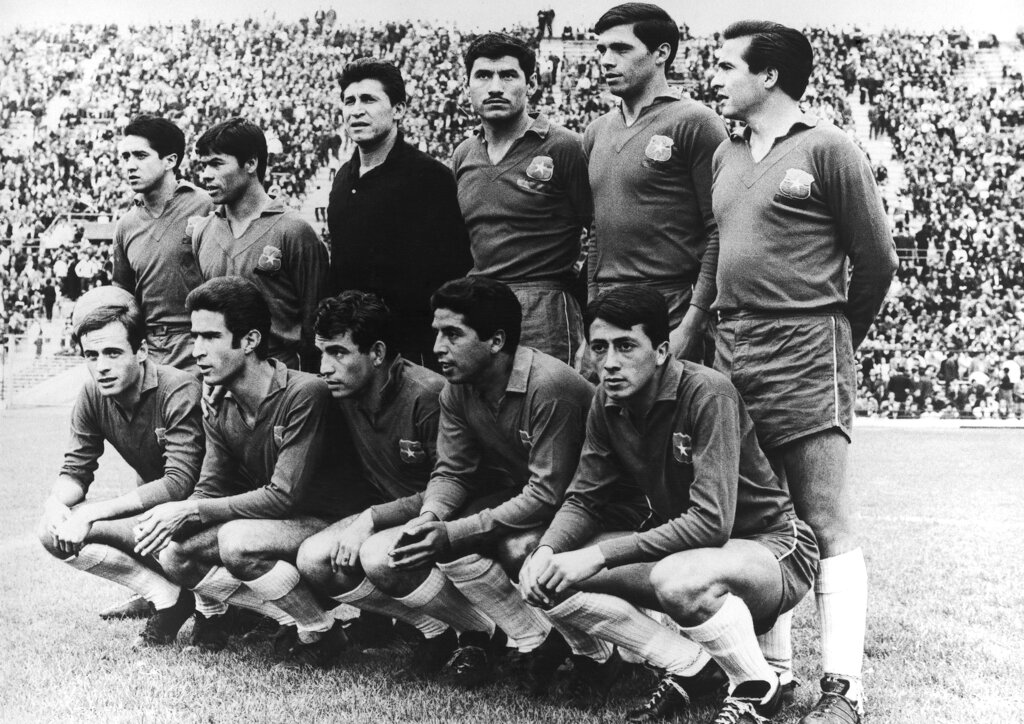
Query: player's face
[
  {"x": 628, "y": 66},
  {"x": 367, "y": 112},
  {"x": 219, "y": 361},
  {"x": 463, "y": 356},
  {"x": 116, "y": 369},
  {"x": 143, "y": 168},
  {"x": 740, "y": 91},
  {"x": 626, "y": 359},
  {"x": 498, "y": 89},
  {"x": 224, "y": 178},
  {"x": 347, "y": 371}
]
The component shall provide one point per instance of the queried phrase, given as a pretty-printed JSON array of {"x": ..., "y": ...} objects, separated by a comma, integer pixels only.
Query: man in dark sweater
[{"x": 394, "y": 218}]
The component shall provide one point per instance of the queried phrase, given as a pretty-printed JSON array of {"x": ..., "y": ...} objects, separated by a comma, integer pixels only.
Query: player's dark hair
[
  {"x": 628, "y": 305},
  {"x": 239, "y": 138},
  {"x": 777, "y": 46},
  {"x": 127, "y": 313},
  {"x": 388, "y": 74},
  {"x": 651, "y": 25},
  {"x": 242, "y": 304},
  {"x": 363, "y": 314},
  {"x": 163, "y": 136},
  {"x": 497, "y": 45},
  {"x": 486, "y": 305}
]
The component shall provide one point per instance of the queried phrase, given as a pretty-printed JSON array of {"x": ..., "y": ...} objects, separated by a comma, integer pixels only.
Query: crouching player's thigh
[
  {"x": 249, "y": 548},
  {"x": 317, "y": 558}
]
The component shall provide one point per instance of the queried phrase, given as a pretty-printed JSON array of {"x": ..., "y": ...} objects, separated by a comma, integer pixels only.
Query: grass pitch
[{"x": 942, "y": 521}]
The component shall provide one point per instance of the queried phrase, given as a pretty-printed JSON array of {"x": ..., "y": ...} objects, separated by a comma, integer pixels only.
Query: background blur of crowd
[{"x": 948, "y": 342}]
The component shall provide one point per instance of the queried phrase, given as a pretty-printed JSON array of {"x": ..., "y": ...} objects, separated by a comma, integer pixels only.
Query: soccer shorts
[
  {"x": 552, "y": 321},
  {"x": 796, "y": 550}
]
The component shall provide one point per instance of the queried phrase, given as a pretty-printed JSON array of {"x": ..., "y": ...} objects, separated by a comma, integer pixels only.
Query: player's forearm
[
  {"x": 397, "y": 512},
  {"x": 127, "y": 504},
  {"x": 66, "y": 492}
]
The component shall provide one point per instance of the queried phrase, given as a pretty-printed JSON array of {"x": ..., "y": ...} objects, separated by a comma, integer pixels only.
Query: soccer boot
[
  {"x": 134, "y": 607},
  {"x": 470, "y": 666},
  {"x": 322, "y": 653},
  {"x": 675, "y": 694},
  {"x": 163, "y": 626},
  {"x": 591, "y": 681},
  {"x": 833, "y": 707},
  {"x": 543, "y": 662},
  {"x": 430, "y": 655},
  {"x": 743, "y": 705},
  {"x": 370, "y": 631},
  {"x": 211, "y": 633}
]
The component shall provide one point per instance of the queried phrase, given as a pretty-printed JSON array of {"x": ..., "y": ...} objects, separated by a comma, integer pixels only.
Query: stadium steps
[
  {"x": 52, "y": 379},
  {"x": 880, "y": 151}
]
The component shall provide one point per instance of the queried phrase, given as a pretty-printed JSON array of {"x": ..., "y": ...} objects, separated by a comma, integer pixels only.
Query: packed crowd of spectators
[{"x": 960, "y": 290}]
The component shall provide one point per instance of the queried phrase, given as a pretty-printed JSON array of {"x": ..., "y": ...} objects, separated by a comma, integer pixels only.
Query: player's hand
[
  {"x": 684, "y": 339},
  {"x": 420, "y": 544},
  {"x": 71, "y": 533},
  {"x": 212, "y": 395},
  {"x": 154, "y": 528},
  {"x": 529, "y": 577},
  {"x": 54, "y": 514},
  {"x": 565, "y": 570},
  {"x": 346, "y": 554}
]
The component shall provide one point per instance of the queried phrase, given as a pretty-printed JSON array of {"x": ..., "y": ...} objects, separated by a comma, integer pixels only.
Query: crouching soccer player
[
  {"x": 722, "y": 553},
  {"x": 510, "y": 431},
  {"x": 263, "y": 488},
  {"x": 390, "y": 407},
  {"x": 150, "y": 414}
]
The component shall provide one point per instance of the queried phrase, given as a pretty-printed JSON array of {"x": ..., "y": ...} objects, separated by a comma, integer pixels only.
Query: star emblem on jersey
[
  {"x": 659, "y": 148},
  {"x": 279, "y": 435},
  {"x": 796, "y": 184},
  {"x": 541, "y": 168},
  {"x": 411, "y": 451},
  {"x": 682, "y": 448},
  {"x": 525, "y": 438},
  {"x": 270, "y": 259},
  {"x": 161, "y": 435}
]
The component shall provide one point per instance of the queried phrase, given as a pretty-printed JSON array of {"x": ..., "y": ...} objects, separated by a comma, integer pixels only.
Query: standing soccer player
[
  {"x": 396, "y": 228},
  {"x": 255, "y": 236},
  {"x": 650, "y": 173},
  {"x": 524, "y": 193},
  {"x": 796, "y": 205},
  {"x": 152, "y": 252},
  {"x": 150, "y": 414}
]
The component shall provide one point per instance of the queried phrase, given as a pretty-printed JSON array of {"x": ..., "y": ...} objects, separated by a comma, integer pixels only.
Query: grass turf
[{"x": 942, "y": 514}]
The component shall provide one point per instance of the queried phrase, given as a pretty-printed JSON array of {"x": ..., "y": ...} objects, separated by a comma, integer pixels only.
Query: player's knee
[
  {"x": 175, "y": 562},
  {"x": 514, "y": 550},
  {"x": 376, "y": 563},
  {"x": 313, "y": 560},
  {"x": 238, "y": 546},
  {"x": 47, "y": 542},
  {"x": 680, "y": 589}
]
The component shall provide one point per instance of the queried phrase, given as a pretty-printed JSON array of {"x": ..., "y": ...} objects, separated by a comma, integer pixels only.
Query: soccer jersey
[
  {"x": 694, "y": 456},
  {"x": 282, "y": 255},
  {"x": 161, "y": 437},
  {"x": 275, "y": 467},
  {"x": 651, "y": 183},
  {"x": 533, "y": 436}
]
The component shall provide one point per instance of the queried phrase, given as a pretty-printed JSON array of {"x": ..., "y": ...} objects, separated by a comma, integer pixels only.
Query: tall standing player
[
  {"x": 255, "y": 236},
  {"x": 152, "y": 252},
  {"x": 523, "y": 189},
  {"x": 650, "y": 173},
  {"x": 797, "y": 205}
]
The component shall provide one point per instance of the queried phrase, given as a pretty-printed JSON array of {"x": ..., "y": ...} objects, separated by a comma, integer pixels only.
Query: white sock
[
  {"x": 729, "y": 637},
  {"x": 439, "y": 600},
  {"x": 581, "y": 642},
  {"x": 220, "y": 588},
  {"x": 117, "y": 566},
  {"x": 618, "y": 621},
  {"x": 367, "y": 597},
  {"x": 841, "y": 593},
  {"x": 282, "y": 586},
  {"x": 483, "y": 582},
  {"x": 777, "y": 647}
]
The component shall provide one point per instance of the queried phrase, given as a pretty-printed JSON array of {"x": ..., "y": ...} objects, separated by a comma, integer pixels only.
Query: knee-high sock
[
  {"x": 282, "y": 586},
  {"x": 368, "y": 597},
  {"x": 117, "y": 566},
  {"x": 438, "y": 597},
  {"x": 729, "y": 637},
  {"x": 841, "y": 593},
  {"x": 618, "y": 621},
  {"x": 777, "y": 647},
  {"x": 220, "y": 588},
  {"x": 485, "y": 584},
  {"x": 581, "y": 642}
]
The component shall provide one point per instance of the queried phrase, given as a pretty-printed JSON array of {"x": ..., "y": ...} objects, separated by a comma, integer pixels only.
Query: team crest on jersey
[
  {"x": 161, "y": 435},
  {"x": 411, "y": 451},
  {"x": 279, "y": 435},
  {"x": 541, "y": 168},
  {"x": 682, "y": 448},
  {"x": 270, "y": 259},
  {"x": 526, "y": 439},
  {"x": 659, "y": 148},
  {"x": 796, "y": 184}
]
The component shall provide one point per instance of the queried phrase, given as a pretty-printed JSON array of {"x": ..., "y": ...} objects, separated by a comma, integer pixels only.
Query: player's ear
[
  {"x": 497, "y": 341},
  {"x": 662, "y": 353},
  {"x": 251, "y": 341},
  {"x": 399, "y": 110},
  {"x": 143, "y": 352},
  {"x": 378, "y": 353},
  {"x": 170, "y": 161},
  {"x": 771, "y": 78}
]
